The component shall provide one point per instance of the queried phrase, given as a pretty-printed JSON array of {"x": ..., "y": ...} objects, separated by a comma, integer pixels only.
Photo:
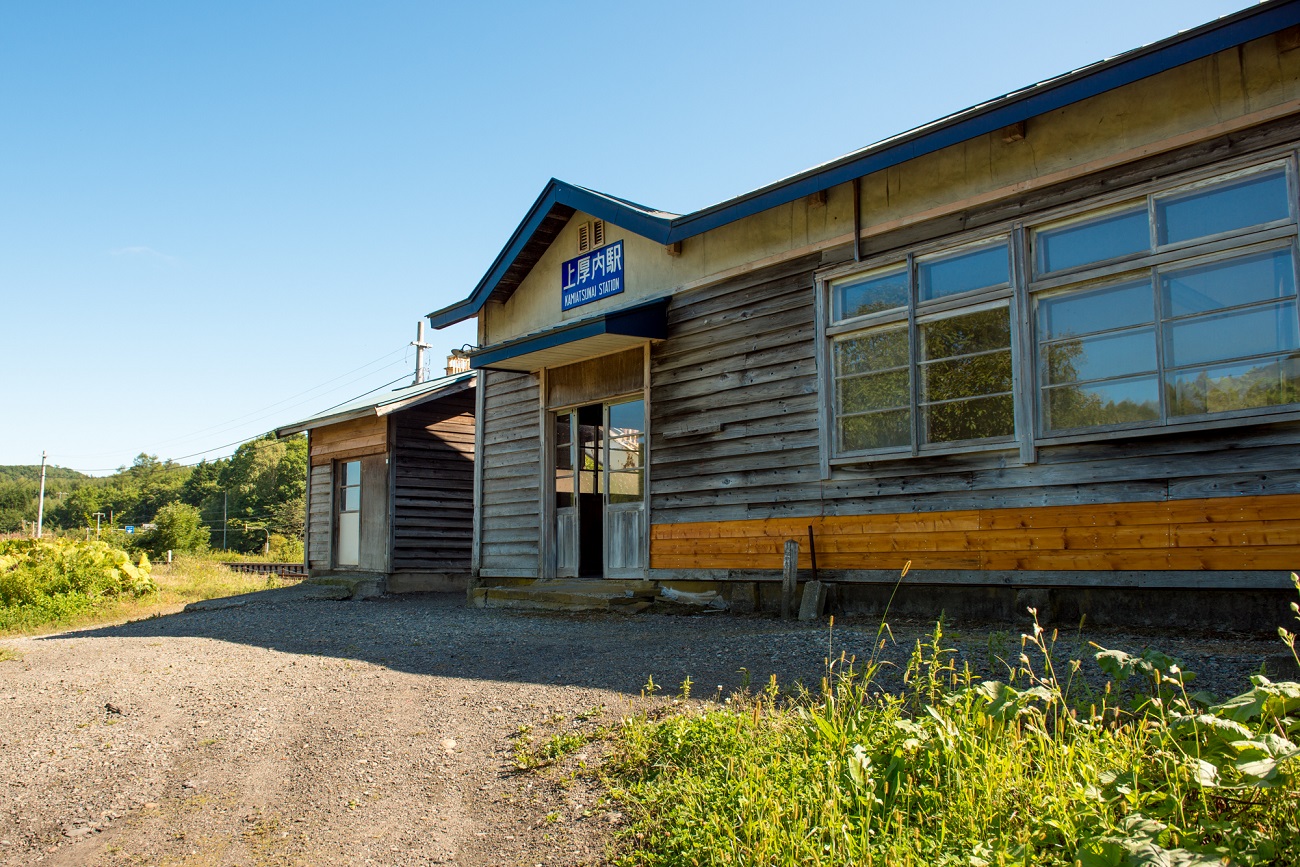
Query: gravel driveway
[{"x": 299, "y": 731}]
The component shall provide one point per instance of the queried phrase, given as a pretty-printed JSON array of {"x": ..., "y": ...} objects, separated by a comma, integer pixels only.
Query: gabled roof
[
  {"x": 559, "y": 200},
  {"x": 368, "y": 406}
]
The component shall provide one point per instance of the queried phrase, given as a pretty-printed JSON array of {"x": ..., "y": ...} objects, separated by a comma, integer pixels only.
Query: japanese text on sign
[{"x": 592, "y": 276}]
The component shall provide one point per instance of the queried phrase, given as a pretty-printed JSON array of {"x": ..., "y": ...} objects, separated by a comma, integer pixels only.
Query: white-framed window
[
  {"x": 347, "y": 551},
  {"x": 1176, "y": 306},
  {"x": 921, "y": 352}
]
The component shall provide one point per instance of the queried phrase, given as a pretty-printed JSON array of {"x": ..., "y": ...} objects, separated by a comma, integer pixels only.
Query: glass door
[
  {"x": 599, "y": 490},
  {"x": 624, "y": 517}
]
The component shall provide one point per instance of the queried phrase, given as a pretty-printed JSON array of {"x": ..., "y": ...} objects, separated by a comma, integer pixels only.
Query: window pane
[
  {"x": 1235, "y": 205},
  {"x": 1091, "y": 310},
  {"x": 980, "y": 418},
  {"x": 1100, "y": 357},
  {"x": 625, "y": 487},
  {"x": 963, "y": 272},
  {"x": 1228, "y": 284},
  {"x": 1236, "y": 386},
  {"x": 877, "y": 350},
  {"x": 966, "y": 377},
  {"x": 1225, "y": 336},
  {"x": 874, "y": 391},
  {"x": 1096, "y": 240},
  {"x": 964, "y": 335},
  {"x": 625, "y": 451},
  {"x": 352, "y": 473},
  {"x": 858, "y": 296},
  {"x": 563, "y": 443},
  {"x": 877, "y": 430},
  {"x": 1102, "y": 403},
  {"x": 564, "y": 489},
  {"x": 352, "y": 499},
  {"x": 627, "y": 417}
]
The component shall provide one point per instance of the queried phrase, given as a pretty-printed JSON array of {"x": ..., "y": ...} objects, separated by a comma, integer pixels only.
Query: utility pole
[
  {"x": 420, "y": 346},
  {"x": 98, "y": 515},
  {"x": 40, "y": 509},
  {"x": 224, "y": 497}
]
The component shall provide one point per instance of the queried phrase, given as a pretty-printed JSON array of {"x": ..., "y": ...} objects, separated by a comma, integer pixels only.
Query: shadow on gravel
[{"x": 436, "y": 634}]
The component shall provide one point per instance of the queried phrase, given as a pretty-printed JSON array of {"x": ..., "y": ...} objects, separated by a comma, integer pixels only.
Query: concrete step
[
  {"x": 357, "y": 587},
  {"x": 624, "y": 597}
]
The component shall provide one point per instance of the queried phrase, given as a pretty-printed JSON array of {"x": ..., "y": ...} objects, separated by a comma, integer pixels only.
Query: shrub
[
  {"x": 177, "y": 527},
  {"x": 44, "y": 580}
]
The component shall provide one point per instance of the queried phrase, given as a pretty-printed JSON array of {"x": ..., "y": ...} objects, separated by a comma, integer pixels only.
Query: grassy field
[{"x": 187, "y": 579}]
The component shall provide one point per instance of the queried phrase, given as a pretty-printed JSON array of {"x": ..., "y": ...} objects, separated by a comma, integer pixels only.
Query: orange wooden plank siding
[{"x": 1219, "y": 533}]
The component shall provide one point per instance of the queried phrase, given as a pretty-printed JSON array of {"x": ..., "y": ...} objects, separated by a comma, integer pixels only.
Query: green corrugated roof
[{"x": 382, "y": 403}]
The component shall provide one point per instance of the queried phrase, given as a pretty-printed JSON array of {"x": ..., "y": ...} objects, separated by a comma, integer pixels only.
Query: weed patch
[{"x": 957, "y": 770}]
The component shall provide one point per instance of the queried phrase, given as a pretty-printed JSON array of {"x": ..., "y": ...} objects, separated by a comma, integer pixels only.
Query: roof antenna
[{"x": 420, "y": 346}]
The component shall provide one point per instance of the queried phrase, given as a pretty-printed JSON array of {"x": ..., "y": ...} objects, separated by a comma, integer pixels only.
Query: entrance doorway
[{"x": 599, "y": 490}]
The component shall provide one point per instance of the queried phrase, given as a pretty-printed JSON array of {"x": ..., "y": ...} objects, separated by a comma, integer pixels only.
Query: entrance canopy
[{"x": 576, "y": 341}]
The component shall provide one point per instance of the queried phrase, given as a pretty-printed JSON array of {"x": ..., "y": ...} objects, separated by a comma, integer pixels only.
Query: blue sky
[{"x": 219, "y": 218}]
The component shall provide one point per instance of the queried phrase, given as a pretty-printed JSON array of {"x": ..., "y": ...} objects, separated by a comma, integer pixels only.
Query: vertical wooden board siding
[
  {"x": 715, "y": 375},
  {"x": 1219, "y": 533},
  {"x": 349, "y": 439},
  {"x": 319, "y": 523},
  {"x": 596, "y": 379},
  {"x": 510, "y": 456},
  {"x": 433, "y": 518},
  {"x": 374, "y": 514}
]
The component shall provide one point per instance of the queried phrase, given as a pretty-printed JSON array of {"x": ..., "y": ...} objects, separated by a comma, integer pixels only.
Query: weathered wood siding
[
  {"x": 318, "y": 520},
  {"x": 734, "y": 449},
  {"x": 733, "y": 402},
  {"x": 510, "y": 517},
  {"x": 433, "y": 505},
  {"x": 349, "y": 439}
]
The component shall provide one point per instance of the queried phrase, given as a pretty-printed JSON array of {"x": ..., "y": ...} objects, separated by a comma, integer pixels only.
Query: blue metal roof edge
[
  {"x": 556, "y": 192},
  {"x": 647, "y": 320},
  {"x": 1050, "y": 95}
]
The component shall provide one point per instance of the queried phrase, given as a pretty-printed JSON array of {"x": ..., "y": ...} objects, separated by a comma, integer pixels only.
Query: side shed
[{"x": 390, "y": 494}]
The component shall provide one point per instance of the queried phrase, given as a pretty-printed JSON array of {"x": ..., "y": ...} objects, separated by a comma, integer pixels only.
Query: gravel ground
[{"x": 298, "y": 731}]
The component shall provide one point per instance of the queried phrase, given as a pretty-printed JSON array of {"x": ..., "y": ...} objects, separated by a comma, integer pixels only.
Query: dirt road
[{"x": 293, "y": 731}]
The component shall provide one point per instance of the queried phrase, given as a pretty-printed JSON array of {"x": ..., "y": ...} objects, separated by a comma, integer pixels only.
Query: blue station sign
[{"x": 592, "y": 276}]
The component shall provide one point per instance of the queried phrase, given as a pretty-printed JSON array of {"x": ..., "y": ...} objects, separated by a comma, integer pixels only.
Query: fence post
[{"x": 789, "y": 573}]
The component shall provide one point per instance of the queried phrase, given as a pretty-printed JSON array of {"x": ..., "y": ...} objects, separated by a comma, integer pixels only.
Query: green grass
[{"x": 954, "y": 770}]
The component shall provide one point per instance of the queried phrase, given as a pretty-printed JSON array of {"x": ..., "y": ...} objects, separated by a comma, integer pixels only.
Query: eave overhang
[
  {"x": 559, "y": 200},
  {"x": 395, "y": 401},
  {"x": 578, "y": 340}
]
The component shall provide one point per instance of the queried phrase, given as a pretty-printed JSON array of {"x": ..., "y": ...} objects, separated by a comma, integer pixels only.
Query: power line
[
  {"x": 405, "y": 350},
  {"x": 236, "y": 443}
]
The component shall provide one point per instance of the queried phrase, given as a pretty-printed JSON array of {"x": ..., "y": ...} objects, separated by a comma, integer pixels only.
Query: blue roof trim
[
  {"x": 649, "y": 321},
  {"x": 1053, "y": 94}
]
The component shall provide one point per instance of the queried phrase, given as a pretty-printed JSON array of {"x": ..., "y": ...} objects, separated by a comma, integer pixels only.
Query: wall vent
[{"x": 591, "y": 235}]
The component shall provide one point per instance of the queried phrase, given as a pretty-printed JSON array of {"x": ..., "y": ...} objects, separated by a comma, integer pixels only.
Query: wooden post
[{"x": 791, "y": 570}]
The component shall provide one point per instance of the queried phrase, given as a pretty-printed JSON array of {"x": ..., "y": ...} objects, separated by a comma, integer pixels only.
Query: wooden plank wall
[
  {"x": 349, "y": 439},
  {"x": 510, "y": 518},
  {"x": 734, "y": 449},
  {"x": 433, "y": 515},
  {"x": 318, "y": 521},
  {"x": 1219, "y": 533}
]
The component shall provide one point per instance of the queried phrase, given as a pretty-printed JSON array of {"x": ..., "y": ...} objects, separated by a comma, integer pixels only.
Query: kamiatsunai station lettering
[{"x": 592, "y": 276}]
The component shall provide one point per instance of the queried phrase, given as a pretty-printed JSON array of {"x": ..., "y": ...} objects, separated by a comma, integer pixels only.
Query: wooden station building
[
  {"x": 1045, "y": 350},
  {"x": 390, "y": 487}
]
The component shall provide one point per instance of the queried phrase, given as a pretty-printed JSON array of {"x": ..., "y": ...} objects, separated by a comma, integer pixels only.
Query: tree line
[{"x": 237, "y": 503}]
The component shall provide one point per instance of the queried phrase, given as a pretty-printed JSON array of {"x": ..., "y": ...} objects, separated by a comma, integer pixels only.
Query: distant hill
[{"x": 33, "y": 474}]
